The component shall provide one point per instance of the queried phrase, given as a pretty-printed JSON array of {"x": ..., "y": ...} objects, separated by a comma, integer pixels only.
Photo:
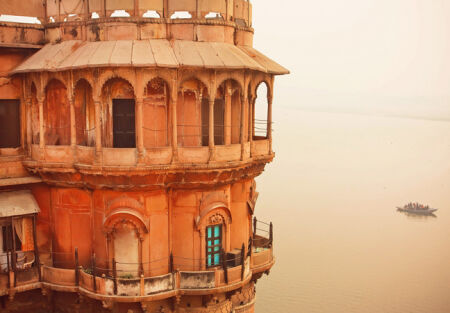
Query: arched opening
[
  {"x": 260, "y": 112},
  {"x": 120, "y": 13},
  {"x": 119, "y": 129},
  {"x": 151, "y": 14},
  {"x": 56, "y": 114},
  {"x": 126, "y": 249},
  {"x": 34, "y": 116},
  {"x": 193, "y": 114},
  {"x": 228, "y": 104},
  {"x": 84, "y": 114},
  {"x": 155, "y": 112}
]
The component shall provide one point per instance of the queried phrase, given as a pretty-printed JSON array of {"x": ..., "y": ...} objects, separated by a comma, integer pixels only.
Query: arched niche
[
  {"x": 56, "y": 114},
  {"x": 261, "y": 112},
  {"x": 193, "y": 114},
  {"x": 84, "y": 114},
  {"x": 125, "y": 230},
  {"x": 119, "y": 114},
  {"x": 227, "y": 113},
  {"x": 156, "y": 113}
]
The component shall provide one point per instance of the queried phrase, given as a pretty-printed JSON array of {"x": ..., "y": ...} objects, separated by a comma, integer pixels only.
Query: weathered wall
[{"x": 72, "y": 218}]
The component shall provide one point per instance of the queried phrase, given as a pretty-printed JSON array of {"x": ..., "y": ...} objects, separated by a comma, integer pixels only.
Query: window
[
  {"x": 9, "y": 123},
  {"x": 7, "y": 240},
  {"x": 213, "y": 245},
  {"x": 124, "y": 123}
]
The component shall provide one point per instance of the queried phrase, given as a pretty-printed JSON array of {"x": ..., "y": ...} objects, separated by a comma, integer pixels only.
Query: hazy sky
[{"x": 383, "y": 55}]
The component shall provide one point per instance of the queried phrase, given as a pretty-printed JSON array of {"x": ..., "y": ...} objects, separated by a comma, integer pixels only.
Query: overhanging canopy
[
  {"x": 16, "y": 203},
  {"x": 76, "y": 54}
]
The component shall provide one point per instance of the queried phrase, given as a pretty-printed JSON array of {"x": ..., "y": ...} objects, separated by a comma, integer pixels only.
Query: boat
[{"x": 417, "y": 208}]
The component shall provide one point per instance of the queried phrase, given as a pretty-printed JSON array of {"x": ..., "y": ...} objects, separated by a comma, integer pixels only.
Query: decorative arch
[
  {"x": 234, "y": 77},
  {"x": 121, "y": 215},
  {"x": 194, "y": 77},
  {"x": 215, "y": 212},
  {"x": 106, "y": 76}
]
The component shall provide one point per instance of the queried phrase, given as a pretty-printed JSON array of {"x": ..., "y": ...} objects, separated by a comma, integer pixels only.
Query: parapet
[{"x": 91, "y": 20}]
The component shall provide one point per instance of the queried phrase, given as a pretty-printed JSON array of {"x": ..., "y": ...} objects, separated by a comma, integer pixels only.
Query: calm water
[{"x": 331, "y": 193}]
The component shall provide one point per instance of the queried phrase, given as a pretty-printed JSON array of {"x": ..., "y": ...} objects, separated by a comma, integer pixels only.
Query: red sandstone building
[{"x": 128, "y": 152}]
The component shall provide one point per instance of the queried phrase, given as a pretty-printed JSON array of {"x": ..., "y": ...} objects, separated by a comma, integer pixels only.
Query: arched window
[
  {"x": 84, "y": 114},
  {"x": 155, "y": 112},
  {"x": 56, "y": 114},
  {"x": 213, "y": 223},
  {"x": 260, "y": 112},
  {"x": 193, "y": 114},
  {"x": 119, "y": 109}
]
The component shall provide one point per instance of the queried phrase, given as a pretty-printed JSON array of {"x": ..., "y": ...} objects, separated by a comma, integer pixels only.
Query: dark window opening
[
  {"x": 124, "y": 129},
  {"x": 205, "y": 122},
  {"x": 8, "y": 239},
  {"x": 9, "y": 123},
  {"x": 213, "y": 245},
  {"x": 219, "y": 122}
]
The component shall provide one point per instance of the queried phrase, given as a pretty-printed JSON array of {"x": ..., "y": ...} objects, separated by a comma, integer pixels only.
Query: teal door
[{"x": 213, "y": 245}]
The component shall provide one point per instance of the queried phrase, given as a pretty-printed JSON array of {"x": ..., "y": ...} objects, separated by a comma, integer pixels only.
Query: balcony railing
[
  {"x": 102, "y": 284},
  {"x": 85, "y": 157}
]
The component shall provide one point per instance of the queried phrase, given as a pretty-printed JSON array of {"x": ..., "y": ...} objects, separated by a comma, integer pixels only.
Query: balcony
[{"x": 111, "y": 286}]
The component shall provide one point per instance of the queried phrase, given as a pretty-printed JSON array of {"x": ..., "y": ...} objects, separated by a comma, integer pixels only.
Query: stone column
[
  {"x": 98, "y": 131},
  {"x": 250, "y": 123},
  {"x": 41, "y": 125},
  {"x": 269, "y": 122},
  {"x": 73, "y": 127},
  {"x": 211, "y": 129},
  {"x": 29, "y": 129},
  {"x": 140, "y": 130},
  {"x": 227, "y": 121},
  {"x": 173, "y": 109},
  {"x": 242, "y": 141}
]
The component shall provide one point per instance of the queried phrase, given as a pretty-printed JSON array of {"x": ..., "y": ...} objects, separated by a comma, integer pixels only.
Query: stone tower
[{"x": 128, "y": 152}]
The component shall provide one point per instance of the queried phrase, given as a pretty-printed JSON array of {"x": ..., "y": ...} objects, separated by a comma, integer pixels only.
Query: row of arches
[{"x": 117, "y": 110}]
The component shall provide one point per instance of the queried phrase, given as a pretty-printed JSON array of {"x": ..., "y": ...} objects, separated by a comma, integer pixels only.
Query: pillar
[
  {"x": 211, "y": 128},
  {"x": 41, "y": 125},
  {"x": 173, "y": 109},
  {"x": 98, "y": 131},
  {"x": 242, "y": 135},
  {"x": 269, "y": 122},
  {"x": 29, "y": 130},
  {"x": 227, "y": 121},
  {"x": 250, "y": 123},
  {"x": 140, "y": 130},
  {"x": 73, "y": 127}
]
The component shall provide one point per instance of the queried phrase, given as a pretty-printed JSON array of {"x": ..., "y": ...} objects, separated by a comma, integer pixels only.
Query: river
[{"x": 331, "y": 193}]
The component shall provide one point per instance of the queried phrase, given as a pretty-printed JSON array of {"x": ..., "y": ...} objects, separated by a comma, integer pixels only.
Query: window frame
[{"x": 211, "y": 262}]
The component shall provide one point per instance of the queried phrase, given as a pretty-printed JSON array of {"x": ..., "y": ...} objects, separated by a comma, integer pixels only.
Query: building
[{"x": 128, "y": 152}]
